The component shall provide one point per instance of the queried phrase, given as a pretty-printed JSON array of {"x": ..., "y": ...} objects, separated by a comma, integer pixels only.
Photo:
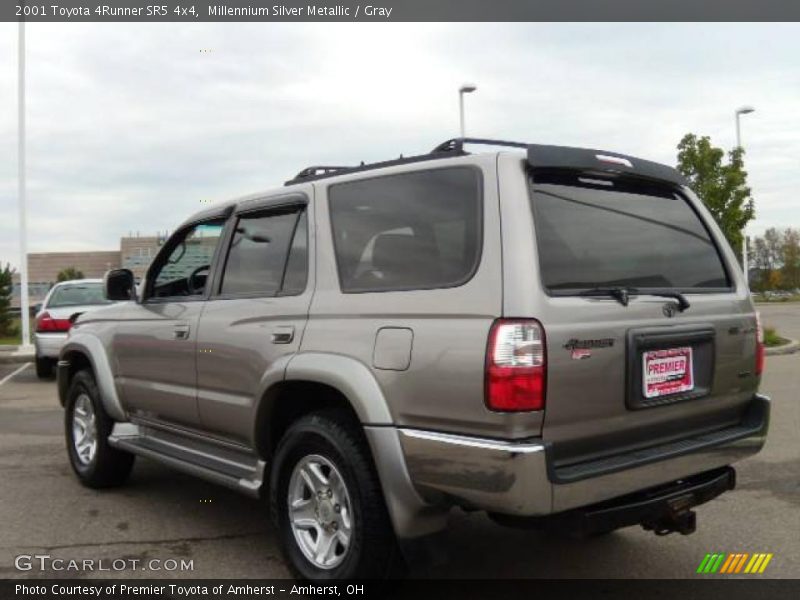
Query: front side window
[
  {"x": 595, "y": 233},
  {"x": 185, "y": 270},
  {"x": 418, "y": 230},
  {"x": 268, "y": 254}
]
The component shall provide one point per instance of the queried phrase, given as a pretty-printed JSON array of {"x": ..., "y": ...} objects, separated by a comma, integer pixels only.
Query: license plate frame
[{"x": 667, "y": 372}]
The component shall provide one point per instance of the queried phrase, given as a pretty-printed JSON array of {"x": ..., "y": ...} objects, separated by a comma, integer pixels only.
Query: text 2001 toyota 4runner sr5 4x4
[{"x": 557, "y": 336}]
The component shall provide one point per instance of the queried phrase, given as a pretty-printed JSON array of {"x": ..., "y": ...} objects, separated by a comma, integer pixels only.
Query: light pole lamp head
[
  {"x": 467, "y": 88},
  {"x": 745, "y": 110}
]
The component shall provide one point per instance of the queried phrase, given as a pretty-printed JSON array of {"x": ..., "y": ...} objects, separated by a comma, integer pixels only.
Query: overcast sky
[{"x": 131, "y": 126}]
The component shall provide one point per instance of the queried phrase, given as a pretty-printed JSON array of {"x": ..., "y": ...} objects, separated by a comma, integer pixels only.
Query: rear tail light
[
  {"x": 759, "y": 346},
  {"x": 47, "y": 324},
  {"x": 516, "y": 366}
]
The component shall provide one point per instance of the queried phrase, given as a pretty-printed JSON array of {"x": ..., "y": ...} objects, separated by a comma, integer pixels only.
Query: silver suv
[{"x": 557, "y": 336}]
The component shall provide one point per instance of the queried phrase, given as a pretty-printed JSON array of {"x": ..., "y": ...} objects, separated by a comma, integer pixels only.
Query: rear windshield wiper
[
  {"x": 683, "y": 303},
  {"x": 623, "y": 294}
]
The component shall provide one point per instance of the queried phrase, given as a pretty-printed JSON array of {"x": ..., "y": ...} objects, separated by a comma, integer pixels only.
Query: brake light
[
  {"x": 516, "y": 366},
  {"x": 47, "y": 324},
  {"x": 760, "y": 348}
]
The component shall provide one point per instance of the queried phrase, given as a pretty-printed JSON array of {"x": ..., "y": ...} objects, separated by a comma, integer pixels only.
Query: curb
[
  {"x": 7, "y": 358},
  {"x": 790, "y": 348}
]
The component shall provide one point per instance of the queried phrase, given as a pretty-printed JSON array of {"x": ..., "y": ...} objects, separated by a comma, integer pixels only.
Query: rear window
[
  {"x": 418, "y": 230},
  {"x": 605, "y": 232},
  {"x": 77, "y": 295}
]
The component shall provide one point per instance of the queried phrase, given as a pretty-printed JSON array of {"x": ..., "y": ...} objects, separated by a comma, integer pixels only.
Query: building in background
[
  {"x": 135, "y": 253},
  {"x": 44, "y": 267}
]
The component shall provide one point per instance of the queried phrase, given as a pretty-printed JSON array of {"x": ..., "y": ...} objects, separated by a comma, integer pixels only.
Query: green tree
[
  {"x": 6, "y": 288},
  {"x": 69, "y": 274},
  {"x": 721, "y": 184},
  {"x": 791, "y": 258},
  {"x": 762, "y": 261}
]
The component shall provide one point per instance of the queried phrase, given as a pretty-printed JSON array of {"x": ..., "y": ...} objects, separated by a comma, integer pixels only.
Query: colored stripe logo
[{"x": 737, "y": 562}]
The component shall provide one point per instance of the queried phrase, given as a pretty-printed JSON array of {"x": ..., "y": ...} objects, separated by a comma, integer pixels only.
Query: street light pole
[
  {"x": 743, "y": 110},
  {"x": 23, "y": 231},
  {"x": 466, "y": 88}
]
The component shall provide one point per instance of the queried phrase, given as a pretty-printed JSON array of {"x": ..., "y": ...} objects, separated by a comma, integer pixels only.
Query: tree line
[{"x": 775, "y": 260}]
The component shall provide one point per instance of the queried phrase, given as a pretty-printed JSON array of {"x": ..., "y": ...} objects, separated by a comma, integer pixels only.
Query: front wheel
[
  {"x": 327, "y": 505},
  {"x": 87, "y": 427}
]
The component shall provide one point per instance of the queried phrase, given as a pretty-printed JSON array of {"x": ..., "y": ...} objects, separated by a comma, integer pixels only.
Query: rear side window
[
  {"x": 268, "y": 254},
  {"x": 595, "y": 233},
  {"x": 418, "y": 230}
]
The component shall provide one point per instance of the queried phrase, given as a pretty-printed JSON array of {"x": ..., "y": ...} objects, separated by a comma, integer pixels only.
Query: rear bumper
[
  {"x": 518, "y": 478},
  {"x": 663, "y": 509},
  {"x": 48, "y": 345}
]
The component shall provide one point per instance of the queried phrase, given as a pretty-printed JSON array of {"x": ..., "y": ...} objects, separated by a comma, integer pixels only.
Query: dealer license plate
[{"x": 667, "y": 372}]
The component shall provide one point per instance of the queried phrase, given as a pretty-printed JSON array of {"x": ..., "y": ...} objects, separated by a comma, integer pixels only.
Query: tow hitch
[{"x": 683, "y": 523}]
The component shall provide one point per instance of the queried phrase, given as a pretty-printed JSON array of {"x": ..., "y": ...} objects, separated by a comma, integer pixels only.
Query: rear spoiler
[{"x": 579, "y": 159}]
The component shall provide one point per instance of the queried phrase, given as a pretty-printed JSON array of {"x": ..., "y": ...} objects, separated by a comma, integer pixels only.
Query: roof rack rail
[
  {"x": 446, "y": 149},
  {"x": 456, "y": 145},
  {"x": 320, "y": 171}
]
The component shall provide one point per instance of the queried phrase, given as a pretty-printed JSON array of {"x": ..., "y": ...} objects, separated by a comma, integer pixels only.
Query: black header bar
[{"x": 159, "y": 11}]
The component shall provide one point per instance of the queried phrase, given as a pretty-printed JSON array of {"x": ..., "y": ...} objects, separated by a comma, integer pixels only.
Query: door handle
[
  {"x": 283, "y": 334},
  {"x": 182, "y": 332}
]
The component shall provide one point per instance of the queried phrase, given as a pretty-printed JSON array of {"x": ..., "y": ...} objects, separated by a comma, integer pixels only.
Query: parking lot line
[{"x": 10, "y": 375}]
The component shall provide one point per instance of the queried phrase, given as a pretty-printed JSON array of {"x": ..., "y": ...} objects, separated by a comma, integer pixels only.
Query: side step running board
[{"x": 236, "y": 470}]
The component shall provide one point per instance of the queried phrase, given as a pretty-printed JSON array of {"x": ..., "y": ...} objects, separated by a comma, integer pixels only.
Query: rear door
[{"x": 626, "y": 367}]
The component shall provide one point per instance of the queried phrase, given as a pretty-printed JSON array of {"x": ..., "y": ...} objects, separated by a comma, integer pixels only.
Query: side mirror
[{"x": 119, "y": 285}]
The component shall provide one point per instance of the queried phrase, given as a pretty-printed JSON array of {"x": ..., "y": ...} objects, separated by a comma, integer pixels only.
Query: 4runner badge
[{"x": 582, "y": 349}]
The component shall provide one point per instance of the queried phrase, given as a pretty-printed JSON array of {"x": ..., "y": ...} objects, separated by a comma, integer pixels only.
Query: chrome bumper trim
[{"x": 472, "y": 442}]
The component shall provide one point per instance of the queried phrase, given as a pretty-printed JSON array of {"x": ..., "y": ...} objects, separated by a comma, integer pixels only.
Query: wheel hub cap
[
  {"x": 319, "y": 511},
  {"x": 84, "y": 429}
]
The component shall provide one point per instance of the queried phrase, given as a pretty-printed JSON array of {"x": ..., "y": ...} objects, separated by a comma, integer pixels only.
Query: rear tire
[
  {"x": 44, "y": 367},
  {"x": 87, "y": 427},
  {"x": 324, "y": 469}
]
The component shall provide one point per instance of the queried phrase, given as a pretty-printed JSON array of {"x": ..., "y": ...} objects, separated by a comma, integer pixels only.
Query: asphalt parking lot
[{"x": 161, "y": 514}]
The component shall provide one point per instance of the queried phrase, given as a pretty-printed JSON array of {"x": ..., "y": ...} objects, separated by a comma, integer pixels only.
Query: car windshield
[
  {"x": 78, "y": 294},
  {"x": 595, "y": 233}
]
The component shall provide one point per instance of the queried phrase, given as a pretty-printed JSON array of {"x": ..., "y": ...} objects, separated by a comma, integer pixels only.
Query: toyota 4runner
[{"x": 560, "y": 337}]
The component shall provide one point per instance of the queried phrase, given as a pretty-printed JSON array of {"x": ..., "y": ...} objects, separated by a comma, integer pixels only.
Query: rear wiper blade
[
  {"x": 683, "y": 303},
  {"x": 621, "y": 294}
]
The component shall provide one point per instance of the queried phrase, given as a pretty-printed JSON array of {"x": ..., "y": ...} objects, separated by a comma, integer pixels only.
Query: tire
[
  {"x": 96, "y": 464},
  {"x": 44, "y": 367},
  {"x": 335, "y": 446}
]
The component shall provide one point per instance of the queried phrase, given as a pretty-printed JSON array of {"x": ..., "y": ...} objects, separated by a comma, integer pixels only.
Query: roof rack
[
  {"x": 456, "y": 145},
  {"x": 541, "y": 156},
  {"x": 453, "y": 147},
  {"x": 320, "y": 171}
]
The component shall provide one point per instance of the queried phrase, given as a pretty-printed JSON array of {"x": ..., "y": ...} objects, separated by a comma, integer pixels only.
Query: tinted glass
[
  {"x": 617, "y": 234},
  {"x": 194, "y": 252},
  {"x": 257, "y": 259},
  {"x": 294, "y": 282},
  {"x": 417, "y": 230},
  {"x": 77, "y": 295}
]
